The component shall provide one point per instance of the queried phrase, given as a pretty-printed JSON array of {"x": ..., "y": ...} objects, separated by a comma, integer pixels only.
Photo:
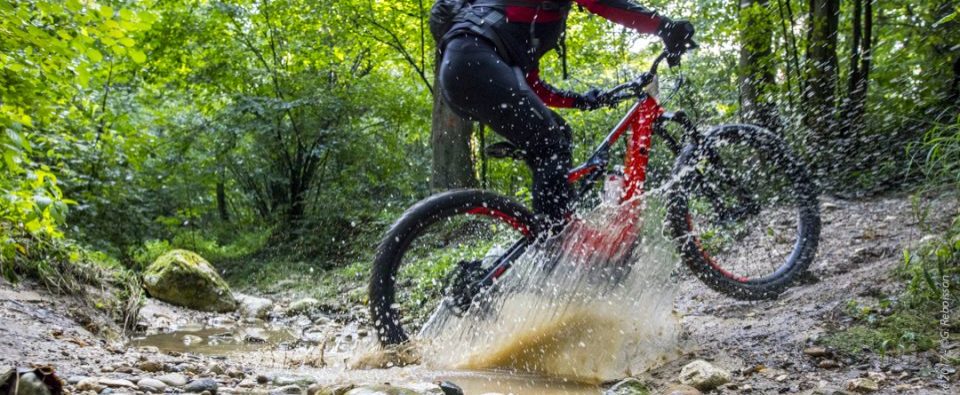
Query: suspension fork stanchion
[{"x": 505, "y": 261}]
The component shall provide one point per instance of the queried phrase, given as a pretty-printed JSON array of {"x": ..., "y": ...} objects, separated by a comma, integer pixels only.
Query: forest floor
[{"x": 790, "y": 345}]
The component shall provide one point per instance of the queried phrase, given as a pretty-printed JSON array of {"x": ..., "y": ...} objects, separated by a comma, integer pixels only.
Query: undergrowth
[
  {"x": 67, "y": 268},
  {"x": 922, "y": 316}
]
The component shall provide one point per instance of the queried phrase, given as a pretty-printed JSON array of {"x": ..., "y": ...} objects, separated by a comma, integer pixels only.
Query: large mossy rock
[{"x": 186, "y": 279}]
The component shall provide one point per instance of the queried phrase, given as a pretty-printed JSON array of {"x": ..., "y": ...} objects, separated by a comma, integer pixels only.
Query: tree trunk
[
  {"x": 450, "y": 138},
  {"x": 821, "y": 65},
  {"x": 854, "y": 108},
  {"x": 222, "y": 199},
  {"x": 757, "y": 84}
]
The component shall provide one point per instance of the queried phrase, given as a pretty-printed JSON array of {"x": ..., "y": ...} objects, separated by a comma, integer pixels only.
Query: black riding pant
[{"x": 479, "y": 84}]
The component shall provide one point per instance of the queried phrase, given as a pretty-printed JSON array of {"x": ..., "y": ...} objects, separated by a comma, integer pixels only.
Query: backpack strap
[{"x": 560, "y": 5}]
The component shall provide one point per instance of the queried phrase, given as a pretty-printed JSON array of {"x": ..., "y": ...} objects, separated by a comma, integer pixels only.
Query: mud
[{"x": 761, "y": 343}]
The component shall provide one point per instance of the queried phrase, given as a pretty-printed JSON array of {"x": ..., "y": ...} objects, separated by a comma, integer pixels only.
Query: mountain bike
[{"x": 741, "y": 208}]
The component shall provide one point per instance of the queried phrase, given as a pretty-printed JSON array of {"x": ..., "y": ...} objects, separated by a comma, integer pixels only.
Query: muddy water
[
  {"x": 561, "y": 330},
  {"x": 218, "y": 340},
  {"x": 584, "y": 319}
]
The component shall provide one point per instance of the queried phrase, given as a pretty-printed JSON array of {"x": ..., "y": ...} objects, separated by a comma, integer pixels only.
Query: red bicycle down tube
[{"x": 638, "y": 146}]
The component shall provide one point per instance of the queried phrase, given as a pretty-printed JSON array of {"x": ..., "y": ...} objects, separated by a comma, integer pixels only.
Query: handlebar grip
[{"x": 673, "y": 60}]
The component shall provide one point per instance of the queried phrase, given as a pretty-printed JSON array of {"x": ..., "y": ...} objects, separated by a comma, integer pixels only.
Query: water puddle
[
  {"x": 218, "y": 340},
  {"x": 519, "y": 384}
]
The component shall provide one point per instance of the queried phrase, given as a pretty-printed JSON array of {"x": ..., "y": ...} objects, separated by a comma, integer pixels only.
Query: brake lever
[{"x": 673, "y": 60}]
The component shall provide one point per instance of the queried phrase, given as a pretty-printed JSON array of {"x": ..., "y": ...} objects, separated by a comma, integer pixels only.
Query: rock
[
  {"x": 302, "y": 306},
  {"x": 90, "y": 384},
  {"x": 215, "y": 368},
  {"x": 201, "y": 385},
  {"x": 151, "y": 385},
  {"x": 262, "y": 379},
  {"x": 184, "y": 278},
  {"x": 252, "y": 306},
  {"x": 828, "y": 364},
  {"x": 31, "y": 384},
  {"x": 150, "y": 366},
  {"x": 628, "y": 386},
  {"x": 381, "y": 390},
  {"x": 317, "y": 389},
  {"x": 74, "y": 380},
  {"x": 862, "y": 385},
  {"x": 247, "y": 383},
  {"x": 449, "y": 388},
  {"x": 283, "y": 381},
  {"x": 703, "y": 376},
  {"x": 173, "y": 379},
  {"x": 116, "y": 383},
  {"x": 235, "y": 373},
  {"x": 287, "y": 390},
  {"x": 149, "y": 349},
  {"x": 877, "y": 376},
  {"x": 681, "y": 390},
  {"x": 816, "y": 352}
]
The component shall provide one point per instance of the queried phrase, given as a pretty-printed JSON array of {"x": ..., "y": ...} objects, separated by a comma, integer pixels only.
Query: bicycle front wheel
[
  {"x": 440, "y": 248},
  {"x": 744, "y": 212}
]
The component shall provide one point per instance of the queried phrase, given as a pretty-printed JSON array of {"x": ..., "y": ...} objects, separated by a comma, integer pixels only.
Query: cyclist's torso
[{"x": 526, "y": 29}]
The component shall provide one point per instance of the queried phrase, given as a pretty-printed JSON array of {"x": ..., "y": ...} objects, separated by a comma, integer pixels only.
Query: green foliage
[
  {"x": 284, "y": 136},
  {"x": 915, "y": 320},
  {"x": 938, "y": 155}
]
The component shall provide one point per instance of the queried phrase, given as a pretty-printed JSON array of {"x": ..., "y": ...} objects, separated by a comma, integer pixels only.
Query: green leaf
[
  {"x": 137, "y": 55},
  {"x": 94, "y": 55},
  {"x": 106, "y": 11}
]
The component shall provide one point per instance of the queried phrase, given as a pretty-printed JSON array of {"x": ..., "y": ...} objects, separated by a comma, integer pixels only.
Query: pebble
[
  {"x": 90, "y": 384},
  {"x": 681, "y": 390},
  {"x": 262, "y": 379},
  {"x": 287, "y": 390},
  {"x": 247, "y": 383},
  {"x": 816, "y": 352},
  {"x": 215, "y": 368},
  {"x": 301, "y": 306},
  {"x": 877, "y": 376},
  {"x": 116, "y": 383},
  {"x": 235, "y": 373},
  {"x": 173, "y": 379},
  {"x": 862, "y": 385},
  {"x": 151, "y": 385},
  {"x": 75, "y": 379},
  {"x": 150, "y": 366},
  {"x": 828, "y": 364},
  {"x": 201, "y": 385},
  {"x": 703, "y": 376}
]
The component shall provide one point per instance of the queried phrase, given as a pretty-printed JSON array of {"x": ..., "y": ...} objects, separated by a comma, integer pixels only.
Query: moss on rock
[{"x": 186, "y": 279}]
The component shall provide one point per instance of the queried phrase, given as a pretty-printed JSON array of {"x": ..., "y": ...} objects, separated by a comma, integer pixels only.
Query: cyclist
[{"x": 489, "y": 73}]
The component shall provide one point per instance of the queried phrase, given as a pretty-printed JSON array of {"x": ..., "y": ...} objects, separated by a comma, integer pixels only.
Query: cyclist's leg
[{"x": 476, "y": 82}]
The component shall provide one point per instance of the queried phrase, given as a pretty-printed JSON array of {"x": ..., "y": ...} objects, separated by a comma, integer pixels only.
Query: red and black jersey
[{"x": 534, "y": 27}]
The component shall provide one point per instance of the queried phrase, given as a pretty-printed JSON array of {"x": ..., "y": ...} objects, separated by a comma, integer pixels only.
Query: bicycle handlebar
[{"x": 635, "y": 88}]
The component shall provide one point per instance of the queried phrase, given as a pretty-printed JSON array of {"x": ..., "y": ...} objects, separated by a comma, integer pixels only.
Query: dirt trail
[{"x": 760, "y": 343}]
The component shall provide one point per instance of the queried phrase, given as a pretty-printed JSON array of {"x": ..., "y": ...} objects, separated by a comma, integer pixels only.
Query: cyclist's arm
[
  {"x": 551, "y": 96},
  {"x": 626, "y": 13}
]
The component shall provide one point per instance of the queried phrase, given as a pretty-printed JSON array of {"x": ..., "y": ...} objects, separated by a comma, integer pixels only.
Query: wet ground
[{"x": 761, "y": 343}]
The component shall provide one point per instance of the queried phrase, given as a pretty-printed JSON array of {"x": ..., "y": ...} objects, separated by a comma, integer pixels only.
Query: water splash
[{"x": 565, "y": 310}]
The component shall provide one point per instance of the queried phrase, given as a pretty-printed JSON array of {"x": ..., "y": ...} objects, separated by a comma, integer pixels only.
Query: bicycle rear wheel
[
  {"x": 439, "y": 249},
  {"x": 744, "y": 212}
]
